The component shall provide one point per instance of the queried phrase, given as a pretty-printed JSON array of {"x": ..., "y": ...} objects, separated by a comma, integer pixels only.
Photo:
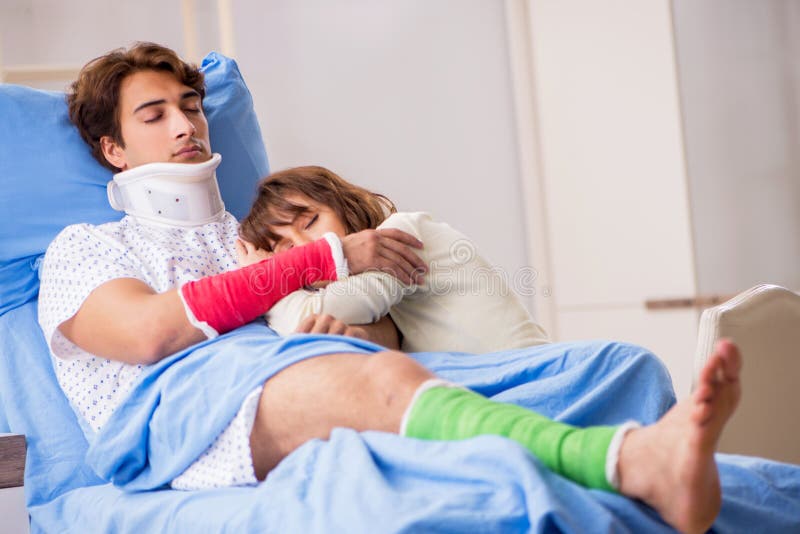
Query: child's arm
[{"x": 359, "y": 299}]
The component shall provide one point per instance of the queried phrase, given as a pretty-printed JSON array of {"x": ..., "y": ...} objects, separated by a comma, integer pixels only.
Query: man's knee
[
  {"x": 383, "y": 372},
  {"x": 394, "y": 376},
  {"x": 636, "y": 355},
  {"x": 644, "y": 367}
]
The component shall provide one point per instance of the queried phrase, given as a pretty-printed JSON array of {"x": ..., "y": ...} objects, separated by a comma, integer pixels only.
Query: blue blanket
[{"x": 354, "y": 482}]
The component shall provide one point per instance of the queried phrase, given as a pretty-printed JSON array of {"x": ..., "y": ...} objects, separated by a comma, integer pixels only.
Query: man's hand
[
  {"x": 385, "y": 250},
  {"x": 328, "y": 324},
  {"x": 248, "y": 254}
]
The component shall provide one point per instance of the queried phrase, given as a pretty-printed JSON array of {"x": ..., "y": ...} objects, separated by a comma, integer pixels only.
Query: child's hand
[
  {"x": 248, "y": 254},
  {"x": 386, "y": 250},
  {"x": 328, "y": 324}
]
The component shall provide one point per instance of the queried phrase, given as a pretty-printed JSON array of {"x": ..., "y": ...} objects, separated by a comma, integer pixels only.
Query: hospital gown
[{"x": 83, "y": 257}]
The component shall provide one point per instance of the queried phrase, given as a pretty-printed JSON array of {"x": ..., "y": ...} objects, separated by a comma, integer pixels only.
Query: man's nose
[{"x": 181, "y": 125}]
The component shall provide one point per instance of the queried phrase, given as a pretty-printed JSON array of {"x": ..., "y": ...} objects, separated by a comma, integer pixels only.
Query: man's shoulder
[
  {"x": 83, "y": 232},
  {"x": 86, "y": 229}
]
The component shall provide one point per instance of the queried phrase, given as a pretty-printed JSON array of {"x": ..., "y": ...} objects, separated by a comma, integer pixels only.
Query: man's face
[{"x": 161, "y": 120}]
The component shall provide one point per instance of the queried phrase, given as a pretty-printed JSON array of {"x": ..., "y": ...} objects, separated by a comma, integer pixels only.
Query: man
[{"x": 121, "y": 296}]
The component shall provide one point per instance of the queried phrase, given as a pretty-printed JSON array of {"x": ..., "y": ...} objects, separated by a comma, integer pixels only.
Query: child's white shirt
[{"x": 464, "y": 304}]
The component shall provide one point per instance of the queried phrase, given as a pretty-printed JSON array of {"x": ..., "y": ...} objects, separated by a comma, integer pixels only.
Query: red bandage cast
[{"x": 217, "y": 304}]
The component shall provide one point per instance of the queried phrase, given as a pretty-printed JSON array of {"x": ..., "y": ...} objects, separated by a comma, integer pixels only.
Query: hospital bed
[{"x": 354, "y": 482}]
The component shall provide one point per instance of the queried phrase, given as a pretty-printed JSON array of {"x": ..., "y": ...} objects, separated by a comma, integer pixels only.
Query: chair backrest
[{"x": 765, "y": 323}]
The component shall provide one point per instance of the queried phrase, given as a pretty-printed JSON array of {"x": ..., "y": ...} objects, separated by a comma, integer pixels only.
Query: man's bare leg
[
  {"x": 670, "y": 465},
  {"x": 310, "y": 398}
]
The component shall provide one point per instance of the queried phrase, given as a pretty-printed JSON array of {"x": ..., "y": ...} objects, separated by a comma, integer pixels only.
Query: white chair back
[{"x": 765, "y": 323}]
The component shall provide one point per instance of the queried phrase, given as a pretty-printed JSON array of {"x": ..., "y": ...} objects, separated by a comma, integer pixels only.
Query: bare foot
[{"x": 670, "y": 465}]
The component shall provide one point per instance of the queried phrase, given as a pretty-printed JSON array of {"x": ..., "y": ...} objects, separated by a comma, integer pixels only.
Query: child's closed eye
[{"x": 312, "y": 221}]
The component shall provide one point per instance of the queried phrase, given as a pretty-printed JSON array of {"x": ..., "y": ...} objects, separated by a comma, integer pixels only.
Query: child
[{"x": 463, "y": 305}]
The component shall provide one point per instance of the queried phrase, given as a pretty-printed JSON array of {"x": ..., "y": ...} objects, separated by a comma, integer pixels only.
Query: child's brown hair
[{"x": 356, "y": 207}]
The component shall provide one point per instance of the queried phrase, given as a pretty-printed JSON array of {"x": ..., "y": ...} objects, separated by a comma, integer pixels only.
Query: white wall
[
  {"x": 613, "y": 174},
  {"x": 739, "y": 72},
  {"x": 668, "y": 147},
  {"x": 71, "y": 33},
  {"x": 411, "y": 99},
  {"x": 612, "y": 150}
]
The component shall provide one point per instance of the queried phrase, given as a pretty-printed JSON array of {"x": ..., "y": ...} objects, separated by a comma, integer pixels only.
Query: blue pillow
[{"x": 50, "y": 180}]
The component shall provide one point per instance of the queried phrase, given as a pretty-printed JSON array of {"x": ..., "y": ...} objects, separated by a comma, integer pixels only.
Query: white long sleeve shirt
[{"x": 464, "y": 305}]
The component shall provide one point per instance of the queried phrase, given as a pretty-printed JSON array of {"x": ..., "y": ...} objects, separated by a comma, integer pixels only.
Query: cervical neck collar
[{"x": 169, "y": 194}]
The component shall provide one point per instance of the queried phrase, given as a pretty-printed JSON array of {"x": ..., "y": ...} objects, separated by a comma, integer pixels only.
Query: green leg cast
[{"x": 449, "y": 413}]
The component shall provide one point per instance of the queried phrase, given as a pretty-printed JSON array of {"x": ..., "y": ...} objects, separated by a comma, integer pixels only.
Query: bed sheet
[{"x": 371, "y": 481}]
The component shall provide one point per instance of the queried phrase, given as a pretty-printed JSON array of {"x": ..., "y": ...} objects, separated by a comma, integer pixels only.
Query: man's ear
[{"x": 113, "y": 153}]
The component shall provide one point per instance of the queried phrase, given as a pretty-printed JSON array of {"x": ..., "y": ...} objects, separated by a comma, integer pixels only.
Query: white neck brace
[{"x": 169, "y": 194}]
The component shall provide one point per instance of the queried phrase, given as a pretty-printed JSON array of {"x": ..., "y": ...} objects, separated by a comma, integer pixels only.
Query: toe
[
  {"x": 703, "y": 393},
  {"x": 708, "y": 374},
  {"x": 733, "y": 363},
  {"x": 731, "y": 357},
  {"x": 702, "y": 412}
]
